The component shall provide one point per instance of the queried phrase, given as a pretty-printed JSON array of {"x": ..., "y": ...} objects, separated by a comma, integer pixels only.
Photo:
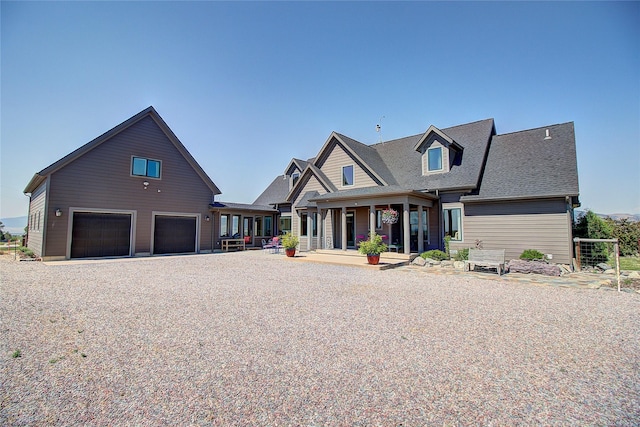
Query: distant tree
[
  {"x": 628, "y": 235},
  {"x": 591, "y": 226}
]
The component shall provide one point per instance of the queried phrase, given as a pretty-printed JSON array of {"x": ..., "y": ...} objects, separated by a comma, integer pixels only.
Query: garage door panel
[
  {"x": 100, "y": 235},
  {"x": 174, "y": 234}
]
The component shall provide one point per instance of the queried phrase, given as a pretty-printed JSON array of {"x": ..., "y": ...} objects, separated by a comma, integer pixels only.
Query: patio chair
[{"x": 273, "y": 245}]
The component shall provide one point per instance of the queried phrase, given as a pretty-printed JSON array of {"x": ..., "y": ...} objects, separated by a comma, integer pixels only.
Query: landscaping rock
[
  {"x": 419, "y": 261},
  {"x": 446, "y": 264},
  {"x": 458, "y": 265},
  {"x": 610, "y": 271},
  {"x": 604, "y": 267},
  {"x": 522, "y": 266},
  {"x": 633, "y": 275}
]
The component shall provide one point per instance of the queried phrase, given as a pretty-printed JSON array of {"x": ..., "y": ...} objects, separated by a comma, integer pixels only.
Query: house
[
  {"x": 464, "y": 184},
  {"x": 135, "y": 190}
]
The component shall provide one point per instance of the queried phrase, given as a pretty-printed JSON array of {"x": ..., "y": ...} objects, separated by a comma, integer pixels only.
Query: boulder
[
  {"x": 419, "y": 261},
  {"x": 522, "y": 266},
  {"x": 458, "y": 265},
  {"x": 604, "y": 267},
  {"x": 634, "y": 275}
]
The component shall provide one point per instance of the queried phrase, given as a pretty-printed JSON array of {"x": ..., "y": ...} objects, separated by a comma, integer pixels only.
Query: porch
[{"x": 352, "y": 258}]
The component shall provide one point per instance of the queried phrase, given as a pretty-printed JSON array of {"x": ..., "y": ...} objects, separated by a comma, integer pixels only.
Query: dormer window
[
  {"x": 347, "y": 176},
  {"x": 434, "y": 161},
  {"x": 294, "y": 178}
]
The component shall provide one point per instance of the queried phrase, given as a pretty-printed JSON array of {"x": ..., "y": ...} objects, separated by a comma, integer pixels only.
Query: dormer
[
  {"x": 438, "y": 151},
  {"x": 294, "y": 170}
]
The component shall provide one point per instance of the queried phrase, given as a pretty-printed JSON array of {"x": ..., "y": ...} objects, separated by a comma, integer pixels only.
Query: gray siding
[
  {"x": 101, "y": 179},
  {"x": 37, "y": 219},
  {"x": 516, "y": 226}
]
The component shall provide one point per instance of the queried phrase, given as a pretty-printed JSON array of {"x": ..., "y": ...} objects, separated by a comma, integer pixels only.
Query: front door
[
  {"x": 351, "y": 229},
  {"x": 247, "y": 230}
]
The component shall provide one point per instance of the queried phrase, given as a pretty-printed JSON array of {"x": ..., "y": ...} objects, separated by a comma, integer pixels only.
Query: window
[
  {"x": 268, "y": 229},
  {"x": 347, "y": 175},
  {"x": 303, "y": 224},
  {"x": 224, "y": 225},
  {"x": 145, "y": 167},
  {"x": 314, "y": 224},
  {"x": 235, "y": 226},
  {"x": 285, "y": 224},
  {"x": 434, "y": 159},
  {"x": 378, "y": 218},
  {"x": 294, "y": 178},
  {"x": 453, "y": 223},
  {"x": 259, "y": 226}
]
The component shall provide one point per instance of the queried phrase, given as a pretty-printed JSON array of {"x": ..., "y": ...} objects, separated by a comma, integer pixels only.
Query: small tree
[{"x": 591, "y": 226}]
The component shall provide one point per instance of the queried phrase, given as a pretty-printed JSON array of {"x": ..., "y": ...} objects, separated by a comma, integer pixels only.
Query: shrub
[
  {"x": 462, "y": 255},
  {"x": 434, "y": 254},
  {"x": 373, "y": 246},
  {"x": 531, "y": 254},
  {"x": 289, "y": 241}
]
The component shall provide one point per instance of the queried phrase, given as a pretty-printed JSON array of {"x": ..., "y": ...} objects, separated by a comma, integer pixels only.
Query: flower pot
[
  {"x": 290, "y": 252},
  {"x": 373, "y": 259}
]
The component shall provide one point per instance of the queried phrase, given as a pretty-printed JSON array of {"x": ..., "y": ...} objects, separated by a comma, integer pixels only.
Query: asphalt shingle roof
[
  {"x": 405, "y": 163},
  {"x": 525, "y": 164},
  {"x": 275, "y": 193}
]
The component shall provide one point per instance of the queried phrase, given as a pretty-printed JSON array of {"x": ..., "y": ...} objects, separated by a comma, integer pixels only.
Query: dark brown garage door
[
  {"x": 100, "y": 235},
  {"x": 174, "y": 234}
]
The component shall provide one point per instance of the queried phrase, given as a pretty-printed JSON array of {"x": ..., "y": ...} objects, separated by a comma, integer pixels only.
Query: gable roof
[
  {"x": 527, "y": 165},
  {"x": 275, "y": 193},
  {"x": 310, "y": 170},
  {"x": 41, "y": 176},
  {"x": 435, "y": 131},
  {"x": 405, "y": 163},
  {"x": 296, "y": 163}
]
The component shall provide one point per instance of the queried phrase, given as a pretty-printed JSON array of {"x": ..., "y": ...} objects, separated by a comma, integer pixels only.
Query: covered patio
[{"x": 341, "y": 219}]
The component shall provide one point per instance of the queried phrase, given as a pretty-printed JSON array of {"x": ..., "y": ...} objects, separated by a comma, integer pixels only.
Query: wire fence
[{"x": 598, "y": 255}]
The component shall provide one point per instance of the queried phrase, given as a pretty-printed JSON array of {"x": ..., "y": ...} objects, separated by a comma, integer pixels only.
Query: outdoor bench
[
  {"x": 493, "y": 258},
  {"x": 233, "y": 244}
]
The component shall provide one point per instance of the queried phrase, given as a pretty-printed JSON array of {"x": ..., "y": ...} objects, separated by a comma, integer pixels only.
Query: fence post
[
  {"x": 577, "y": 242},
  {"x": 617, "y": 249}
]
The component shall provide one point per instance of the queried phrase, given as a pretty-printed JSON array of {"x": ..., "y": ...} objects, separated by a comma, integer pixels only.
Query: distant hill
[
  {"x": 620, "y": 216},
  {"x": 15, "y": 225}
]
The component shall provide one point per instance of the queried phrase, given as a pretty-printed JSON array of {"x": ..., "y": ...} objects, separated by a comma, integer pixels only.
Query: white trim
[
  {"x": 454, "y": 206},
  {"x": 132, "y": 229},
  {"x": 353, "y": 171},
  {"x": 197, "y": 216}
]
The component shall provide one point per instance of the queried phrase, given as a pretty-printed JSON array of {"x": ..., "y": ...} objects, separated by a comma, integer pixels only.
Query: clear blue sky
[{"x": 248, "y": 86}]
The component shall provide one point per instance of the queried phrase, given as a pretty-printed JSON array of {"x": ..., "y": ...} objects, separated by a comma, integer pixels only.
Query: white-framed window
[
  {"x": 294, "y": 178},
  {"x": 303, "y": 223},
  {"x": 224, "y": 225},
  {"x": 434, "y": 159},
  {"x": 452, "y": 220},
  {"x": 141, "y": 166},
  {"x": 347, "y": 176}
]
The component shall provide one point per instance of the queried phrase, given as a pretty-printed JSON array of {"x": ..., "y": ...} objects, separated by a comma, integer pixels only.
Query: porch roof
[
  {"x": 219, "y": 206},
  {"x": 368, "y": 192}
]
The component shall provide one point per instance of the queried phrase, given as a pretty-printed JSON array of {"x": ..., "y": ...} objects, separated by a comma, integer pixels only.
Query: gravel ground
[{"x": 254, "y": 339}]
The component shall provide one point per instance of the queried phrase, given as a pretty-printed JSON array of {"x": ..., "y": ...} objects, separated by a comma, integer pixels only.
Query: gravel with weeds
[{"x": 255, "y": 339}]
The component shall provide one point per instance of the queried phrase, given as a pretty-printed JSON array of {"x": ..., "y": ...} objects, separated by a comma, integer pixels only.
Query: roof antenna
[{"x": 378, "y": 127}]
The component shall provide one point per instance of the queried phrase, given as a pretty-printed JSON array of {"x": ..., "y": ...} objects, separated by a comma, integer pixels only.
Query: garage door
[
  {"x": 100, "y": 235},
  {"x": 174, "y": 234}
]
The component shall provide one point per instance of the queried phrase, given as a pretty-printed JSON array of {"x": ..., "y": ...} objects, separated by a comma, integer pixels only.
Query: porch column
[
  {"x": 407, "y": 228},
  {"x": 372, "y": 219},
  {"x": 420, "y": 230},
  {"x": 319, "y": 225},
  {"x": 309, "y": 228},
  {"x": 343, "y": 228}
]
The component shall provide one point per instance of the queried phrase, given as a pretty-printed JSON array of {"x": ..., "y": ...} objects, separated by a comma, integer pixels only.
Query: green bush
[
  {"x": 462, "y": 255},
  {"x": 531, "y": 254},
  {"x": 435, "y": 254},
  {"x": 373, "y": 246}
]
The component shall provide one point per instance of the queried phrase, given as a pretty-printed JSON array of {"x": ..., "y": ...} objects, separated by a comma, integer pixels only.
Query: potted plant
[
  {"x": 372, "y": 248},
  {"x": 289, "y": 243}
]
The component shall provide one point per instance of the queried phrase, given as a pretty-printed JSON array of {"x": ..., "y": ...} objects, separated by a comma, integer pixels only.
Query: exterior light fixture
[
  {"x": 146, "y": 184},
  {"x": 58, "y": 212},
  {"x": 206, "y": 218}
]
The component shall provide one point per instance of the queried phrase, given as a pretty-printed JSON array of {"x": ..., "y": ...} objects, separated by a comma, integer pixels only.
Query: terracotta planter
[
  {"x": 373, "y": 259},
  {"x": 290, "y": 252}
]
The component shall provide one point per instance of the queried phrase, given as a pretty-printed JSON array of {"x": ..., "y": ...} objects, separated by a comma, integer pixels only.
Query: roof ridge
[{"x": 531, "y": 129}]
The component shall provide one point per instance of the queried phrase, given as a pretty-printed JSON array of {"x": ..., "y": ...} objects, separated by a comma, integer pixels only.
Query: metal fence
[{"x": 592, "y": 254}]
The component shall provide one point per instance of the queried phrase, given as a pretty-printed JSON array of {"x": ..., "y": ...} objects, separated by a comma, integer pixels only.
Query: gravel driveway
[{"x": 254, "y": 339}]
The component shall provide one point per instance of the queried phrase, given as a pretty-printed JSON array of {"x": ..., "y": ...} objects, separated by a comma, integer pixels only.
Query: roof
[
  {"x": 241, "y": 207},
  {"x": 526, "y": 164},
  {"x": 363, "y": 192},
  {"x": 41, "y": 176},
  {"x": 405, "y": 163},
  {"x": 307, "y": 201},
  {"x": 275, "y": 193}
]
